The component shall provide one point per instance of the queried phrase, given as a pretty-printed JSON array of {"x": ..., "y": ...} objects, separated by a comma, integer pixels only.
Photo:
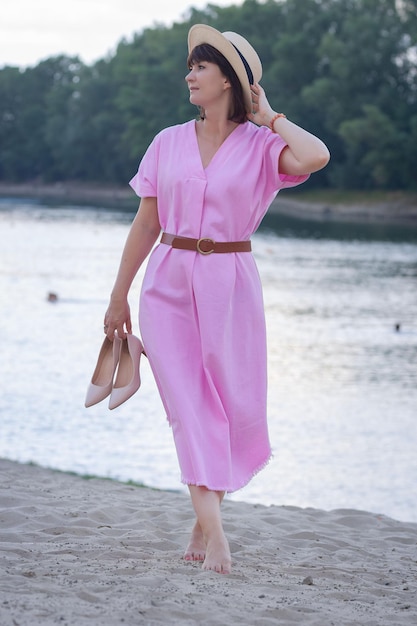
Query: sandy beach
[{"x": 78, "y": 551}]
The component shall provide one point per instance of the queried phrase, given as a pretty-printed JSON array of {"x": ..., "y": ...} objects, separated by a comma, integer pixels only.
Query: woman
[{"x": 207, "y": 184}]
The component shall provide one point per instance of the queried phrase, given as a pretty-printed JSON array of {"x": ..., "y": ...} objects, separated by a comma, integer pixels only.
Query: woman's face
[{"x": 206, "y": 84}]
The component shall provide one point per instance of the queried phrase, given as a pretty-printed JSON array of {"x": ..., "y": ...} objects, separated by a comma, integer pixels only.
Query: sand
[{"x": 78, "y": 551}]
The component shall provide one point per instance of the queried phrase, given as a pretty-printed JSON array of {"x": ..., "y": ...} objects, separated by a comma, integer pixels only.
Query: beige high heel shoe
[
  {"x": 102, "y": 380},
  {"x": 128, "y": 377}
]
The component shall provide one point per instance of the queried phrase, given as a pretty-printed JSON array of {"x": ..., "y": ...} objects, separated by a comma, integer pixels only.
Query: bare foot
[
  {"x": 196, "y": 549},
  {"x": 218, "y": 558}
]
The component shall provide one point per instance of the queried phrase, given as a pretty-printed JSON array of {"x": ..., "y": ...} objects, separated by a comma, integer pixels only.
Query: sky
[{"x": 33, "y": 30}]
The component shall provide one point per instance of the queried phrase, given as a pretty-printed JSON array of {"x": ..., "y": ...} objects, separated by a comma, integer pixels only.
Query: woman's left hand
[
  {"x": 304, "y": 153},
  {"x": 262, "y": 112}
]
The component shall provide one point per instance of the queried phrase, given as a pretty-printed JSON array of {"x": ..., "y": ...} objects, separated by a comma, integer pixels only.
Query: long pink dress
[{"x": 202, "y": 317}]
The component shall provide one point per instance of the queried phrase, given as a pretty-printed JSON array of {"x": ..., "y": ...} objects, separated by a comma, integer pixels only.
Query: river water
[{"x": 342, "y": 374}]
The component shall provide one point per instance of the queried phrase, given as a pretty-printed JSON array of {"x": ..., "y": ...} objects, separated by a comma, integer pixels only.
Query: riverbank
[
  {"x": 359, "y": 207},
  {"x": 93, "y": 551},
  {"x": 73, "y": 193},
  {"x": 322, "y": 206}
]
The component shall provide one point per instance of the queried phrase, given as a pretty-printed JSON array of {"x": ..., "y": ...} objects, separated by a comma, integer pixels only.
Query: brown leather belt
[{"x": 205, "y": 245}]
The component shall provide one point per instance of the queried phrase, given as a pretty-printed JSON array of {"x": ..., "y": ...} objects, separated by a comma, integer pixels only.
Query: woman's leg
[
  {"x": 208, "y": 531},
  {"x": 196, "y": 549}
]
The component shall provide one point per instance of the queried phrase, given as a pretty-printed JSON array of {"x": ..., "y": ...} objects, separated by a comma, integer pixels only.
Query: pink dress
[{"x": 202, "y": 317}]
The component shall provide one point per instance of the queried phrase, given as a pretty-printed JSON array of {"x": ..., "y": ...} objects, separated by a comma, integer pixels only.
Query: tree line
[{"x": 344, "y": 69}]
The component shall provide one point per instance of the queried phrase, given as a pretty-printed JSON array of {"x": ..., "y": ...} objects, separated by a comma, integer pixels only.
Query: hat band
[{"x": 246, "y": 65}]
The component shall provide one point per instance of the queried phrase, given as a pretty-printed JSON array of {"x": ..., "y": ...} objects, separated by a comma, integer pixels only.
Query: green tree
[
  {"x": 24, "y": 152},
  {"x": 61, "y": 126},
  {"x": 151, "y": 90},
  {"x": 344, "y": 69},
  {"x": 372, "y": 147},
  {"x": 365, "y": 67}
]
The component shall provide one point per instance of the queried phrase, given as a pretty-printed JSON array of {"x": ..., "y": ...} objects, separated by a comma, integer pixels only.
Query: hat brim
[{"x": 201, "y": 34}]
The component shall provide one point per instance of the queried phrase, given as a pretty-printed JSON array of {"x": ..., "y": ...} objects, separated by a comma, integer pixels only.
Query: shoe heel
[{"x": 102, "y": 380}]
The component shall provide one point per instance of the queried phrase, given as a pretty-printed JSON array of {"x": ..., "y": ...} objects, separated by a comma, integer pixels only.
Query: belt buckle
[{"x": 199, "y": 245}]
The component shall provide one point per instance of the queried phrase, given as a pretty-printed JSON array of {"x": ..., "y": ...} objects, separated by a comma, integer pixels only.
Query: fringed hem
[{"x": 228, "y": 489}]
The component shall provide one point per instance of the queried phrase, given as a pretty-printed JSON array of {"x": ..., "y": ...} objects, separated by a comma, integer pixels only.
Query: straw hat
[{"x": 237, "y": 50}]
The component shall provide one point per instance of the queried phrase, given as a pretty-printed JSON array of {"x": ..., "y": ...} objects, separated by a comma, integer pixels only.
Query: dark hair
[{"x": 208, "y": 53}]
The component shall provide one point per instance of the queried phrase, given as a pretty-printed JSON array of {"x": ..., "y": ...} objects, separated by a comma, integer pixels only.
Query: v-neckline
[{"x": 205, "y": 167}]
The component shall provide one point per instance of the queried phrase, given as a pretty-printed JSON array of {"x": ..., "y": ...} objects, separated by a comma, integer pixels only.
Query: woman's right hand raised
[{"x": 117, "y": 319}]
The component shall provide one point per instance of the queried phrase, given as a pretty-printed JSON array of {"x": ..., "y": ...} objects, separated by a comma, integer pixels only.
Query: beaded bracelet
[{"x": 272, "y": 122}]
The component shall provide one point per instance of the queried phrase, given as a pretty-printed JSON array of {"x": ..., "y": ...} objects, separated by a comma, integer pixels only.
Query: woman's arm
[
  {"x": 142, "y": 236},
  {"x": 305, "y": 153}
]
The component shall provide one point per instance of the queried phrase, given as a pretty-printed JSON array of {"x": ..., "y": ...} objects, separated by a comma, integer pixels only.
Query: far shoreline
[{"x": 396, "y": 208}]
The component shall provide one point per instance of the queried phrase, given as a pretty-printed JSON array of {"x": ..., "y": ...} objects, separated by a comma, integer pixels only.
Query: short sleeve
[
  {"x": 144, "y": 182},
  {"x": 273, "y": 148}
]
